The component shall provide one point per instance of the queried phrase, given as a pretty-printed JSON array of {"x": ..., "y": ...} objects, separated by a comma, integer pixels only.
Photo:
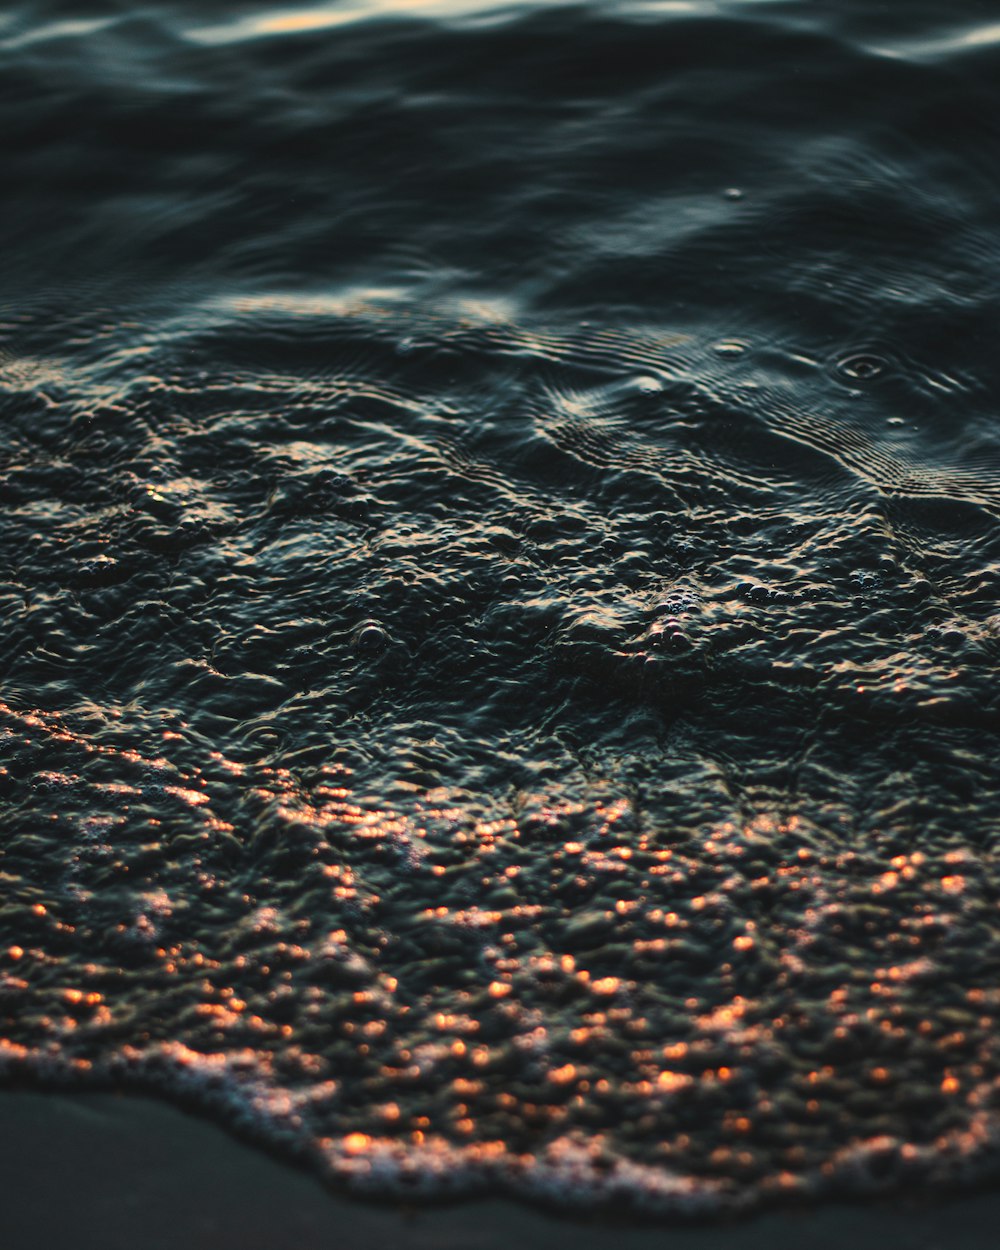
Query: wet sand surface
[{"x": 111, "y": 1172}]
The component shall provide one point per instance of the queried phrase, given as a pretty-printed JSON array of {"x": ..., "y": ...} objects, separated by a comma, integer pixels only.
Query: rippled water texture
[{"x": 500, "y": 589}]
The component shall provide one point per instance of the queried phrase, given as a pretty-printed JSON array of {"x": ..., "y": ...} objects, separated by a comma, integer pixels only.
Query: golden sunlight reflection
[
  {"x": 660, "y": 986},
  {"x": 327, "y": 17},
  {"x": 948, "y": 40}
]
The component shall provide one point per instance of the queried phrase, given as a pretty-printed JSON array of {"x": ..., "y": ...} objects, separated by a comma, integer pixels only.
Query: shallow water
[{"x": 500, "y": 586}]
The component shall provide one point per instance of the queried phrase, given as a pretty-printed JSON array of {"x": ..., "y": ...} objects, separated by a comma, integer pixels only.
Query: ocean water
[{"x": 499, "y": 586}]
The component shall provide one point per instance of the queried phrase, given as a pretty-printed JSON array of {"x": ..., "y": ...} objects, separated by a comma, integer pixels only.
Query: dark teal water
[{"x": 500, "y": 588}]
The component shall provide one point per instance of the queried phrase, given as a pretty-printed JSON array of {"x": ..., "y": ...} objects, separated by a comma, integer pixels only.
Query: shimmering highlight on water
[{"x": 500, "y": 589}]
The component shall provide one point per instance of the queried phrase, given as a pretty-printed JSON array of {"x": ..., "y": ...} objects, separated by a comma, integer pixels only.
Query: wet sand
[{"x": 121, "y": 1173}]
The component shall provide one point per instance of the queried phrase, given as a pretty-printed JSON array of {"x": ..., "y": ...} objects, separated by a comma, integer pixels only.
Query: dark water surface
[{"x": 500, "y": 586}]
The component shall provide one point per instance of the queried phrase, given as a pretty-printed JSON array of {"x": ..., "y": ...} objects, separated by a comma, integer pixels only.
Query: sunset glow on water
[{"x": 500, "y": 589}]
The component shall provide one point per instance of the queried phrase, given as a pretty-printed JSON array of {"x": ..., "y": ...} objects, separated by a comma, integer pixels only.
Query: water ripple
[{"x": 500, "y": 587}]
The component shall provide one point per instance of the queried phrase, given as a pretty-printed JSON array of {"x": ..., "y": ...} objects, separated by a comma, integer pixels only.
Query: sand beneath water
[{"x": 122, "y": 1173}]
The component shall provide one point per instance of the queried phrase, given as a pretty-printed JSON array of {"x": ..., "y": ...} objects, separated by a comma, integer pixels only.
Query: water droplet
[{"x": 729, "y": 347}]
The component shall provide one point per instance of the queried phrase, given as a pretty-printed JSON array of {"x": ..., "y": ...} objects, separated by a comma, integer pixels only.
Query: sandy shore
[{"x": 101, "y": 1172}]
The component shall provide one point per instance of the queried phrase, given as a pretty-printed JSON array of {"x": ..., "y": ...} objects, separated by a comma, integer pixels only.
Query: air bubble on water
[
  {"x": 862, "y": 366},
  {"x": 371, "y": 638},
  {"x": 729, "y": 347},
  {"x": 677, "y": 603}
]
